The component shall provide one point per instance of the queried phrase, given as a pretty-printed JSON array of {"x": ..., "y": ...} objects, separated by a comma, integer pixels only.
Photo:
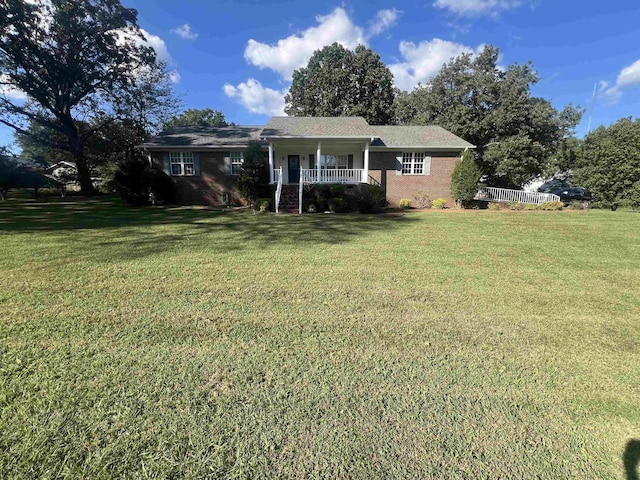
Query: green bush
[
  {"x": 336, "y": 191},
  {"x": 464, "y": 180},
  {"x": 439, "y": 203},
  {"x": 515, "y": 206},
  {"x": 405, "y": 203},
  {"x": 552, "y": 206},
  {"x": 312, "y": 208},
  {"x": 531, "y": 206},
  {"x": 422, "y": 199},
  {"x": 371, "y": 199},
  {"x": 253, "y": 181},
  {"x": 494, "y": 206},
  {"x": 337, "y": 205},
  {"x": 139, "y": 184},
  {"x": 262, "y": 205},
  {"x": 578, "y": 205}
]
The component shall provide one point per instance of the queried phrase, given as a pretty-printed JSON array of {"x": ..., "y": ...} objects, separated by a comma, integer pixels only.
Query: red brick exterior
[
  {"x": 382, "y": 167},
  {"x": 207, "y": 188}
]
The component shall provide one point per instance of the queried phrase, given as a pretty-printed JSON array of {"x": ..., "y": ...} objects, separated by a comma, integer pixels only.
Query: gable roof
[
  {"x": 416, "y": 136},
  {"x": 236, "y": 135},
  {"x": 318, "y": 127}
]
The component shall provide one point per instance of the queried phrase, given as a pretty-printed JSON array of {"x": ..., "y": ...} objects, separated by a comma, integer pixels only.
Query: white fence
[
  {"x": 339, "y": 175},
  {"x": 492, "y": 194}
]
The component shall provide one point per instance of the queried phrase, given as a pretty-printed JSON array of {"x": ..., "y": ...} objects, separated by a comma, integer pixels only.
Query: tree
[
  {"x": 18, "y": 173},
  {"x": 74, "y": 60},
  {"x": 609, "y": 163},
  {"x": 464, "y": 179},
  {"x": 194, "y": 117},
  {"x": 338, "y": 82},
  {"x": 516, "y": 135},
  {"x": 253, "y": 181}
]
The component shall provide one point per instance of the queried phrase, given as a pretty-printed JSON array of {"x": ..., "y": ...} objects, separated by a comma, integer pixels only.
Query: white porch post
[
  {"x": 271, "y": 162},
  {"x": 318, "y": 162},
  {"x": 365, "y": 173}
]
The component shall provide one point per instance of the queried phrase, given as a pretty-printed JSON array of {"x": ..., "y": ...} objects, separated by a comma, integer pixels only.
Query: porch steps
[{"x": 289, "y": 199}]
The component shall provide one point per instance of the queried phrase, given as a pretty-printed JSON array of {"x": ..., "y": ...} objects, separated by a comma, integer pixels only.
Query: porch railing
[
  {"x": 277, "y": 175},
  {"x": 493, "y": 194},
  {"x": 338, "y": 175}
]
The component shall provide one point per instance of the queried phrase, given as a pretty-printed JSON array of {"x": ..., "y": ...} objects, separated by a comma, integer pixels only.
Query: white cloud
[
  {"x": 422, "y": 61},
  {"x": 384, "y": 20},
  {"x": 185, "y": 32},
  {"x": 295, "y": 51},
  {"x": 628, "y": 77},
  {"x": 477, "y": 7},
  {"x": 9, "y": 91},
  {"x": 256, "y": 98},
  {"x": 174, "y": 76},
  {"x": 158, "y": 45}
]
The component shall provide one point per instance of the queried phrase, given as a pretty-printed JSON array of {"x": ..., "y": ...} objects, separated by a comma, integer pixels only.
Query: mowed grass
[{"x": 191, "y": 343}]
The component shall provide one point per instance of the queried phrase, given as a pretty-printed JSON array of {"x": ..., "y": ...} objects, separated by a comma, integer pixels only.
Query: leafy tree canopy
[
  {"x": 74, "y": 60},
  {"x": 193, "y": 117},
  {"x": 608, "y": 163},
  {"x": 338, "y": 82},
  {"x": 464, "y": 179},
  {"x": 516, "y": 135}
]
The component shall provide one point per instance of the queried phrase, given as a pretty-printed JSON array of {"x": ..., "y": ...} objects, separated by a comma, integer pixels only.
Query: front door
[{"x": 294, "y": 168}]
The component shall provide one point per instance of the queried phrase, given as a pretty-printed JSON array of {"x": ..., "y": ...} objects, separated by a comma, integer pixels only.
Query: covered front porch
[{"x": 328, "y": 161}]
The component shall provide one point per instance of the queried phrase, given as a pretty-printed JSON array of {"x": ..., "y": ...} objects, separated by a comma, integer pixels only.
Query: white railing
[
  {"x": 277, "y": 175},
  {"x": 493, "y": 194},
  {"x": 339, "y": 175}
]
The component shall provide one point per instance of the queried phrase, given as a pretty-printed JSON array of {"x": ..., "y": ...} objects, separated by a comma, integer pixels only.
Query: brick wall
[
  {"x": 382, "y": 167},
  {"x": 207, "y": 188}
]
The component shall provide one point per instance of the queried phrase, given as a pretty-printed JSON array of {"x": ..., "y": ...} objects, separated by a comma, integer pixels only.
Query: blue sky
[{"x": 238, "y": 55}]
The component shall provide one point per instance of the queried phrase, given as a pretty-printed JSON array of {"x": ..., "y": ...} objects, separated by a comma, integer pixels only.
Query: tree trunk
[{"x": 84, "y": 175}]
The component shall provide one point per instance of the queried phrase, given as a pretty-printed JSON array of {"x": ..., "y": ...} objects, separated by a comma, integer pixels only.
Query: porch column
[
  {"x": 318, "y": 162},
  {"x": 270, "y": 162},
  {"x": 365, "y": 173}
]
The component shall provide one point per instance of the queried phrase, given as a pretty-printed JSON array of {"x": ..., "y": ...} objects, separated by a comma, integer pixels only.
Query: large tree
[
  {"x": 340, "y": 82},
  {"x": 194, "y": 117},
  {"x": 516, "y": 135},
  {"x": 608, "y": 163},
  {"x": 76, "y": 62}
]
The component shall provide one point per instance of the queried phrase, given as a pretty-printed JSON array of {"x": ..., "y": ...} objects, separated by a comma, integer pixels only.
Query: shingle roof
[
  {"x": 332, "y": 127},
  {"x": 416, "y": 136},
  {"x": 205, "y": 136}
]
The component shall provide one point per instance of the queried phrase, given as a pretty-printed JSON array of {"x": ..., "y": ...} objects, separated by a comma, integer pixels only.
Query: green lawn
[{"x": 170, "y": 343}]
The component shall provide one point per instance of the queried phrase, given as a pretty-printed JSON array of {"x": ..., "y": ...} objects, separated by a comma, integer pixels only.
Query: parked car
[{"x": 570, "y": 194}]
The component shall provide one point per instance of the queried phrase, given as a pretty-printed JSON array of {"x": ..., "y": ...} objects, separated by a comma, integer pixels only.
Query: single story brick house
[{"x": 404, "y": 160}]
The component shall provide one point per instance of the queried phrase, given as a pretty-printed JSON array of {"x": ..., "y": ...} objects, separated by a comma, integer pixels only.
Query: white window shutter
[
  {"x": 427, "y": 166},
  {"x": 399, "y": 165}
]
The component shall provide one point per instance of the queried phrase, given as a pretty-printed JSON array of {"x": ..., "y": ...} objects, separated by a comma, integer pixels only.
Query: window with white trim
[
  {"x": 334, "y": 161},
  {"x": 237, "y": 159},
  {"x": 412, "y": 163},
  {"x": 182, "y": 164}
]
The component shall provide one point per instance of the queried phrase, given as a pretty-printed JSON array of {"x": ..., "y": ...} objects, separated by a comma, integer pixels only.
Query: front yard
[{"x": 194, "y": 343}]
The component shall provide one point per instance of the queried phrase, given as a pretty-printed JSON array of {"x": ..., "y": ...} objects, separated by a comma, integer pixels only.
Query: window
[
  {"x": 182, "y": 163},
  {"x": 237, "y": 159},
  {"x": 412, "y": 163},
  {"x": 334, "y": 161}
]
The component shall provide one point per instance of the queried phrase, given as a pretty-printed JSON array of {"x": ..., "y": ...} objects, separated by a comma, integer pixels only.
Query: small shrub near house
[
  {"x": 464, "y": 180},
  {"x": 405, "y": 203},
  {"x": 262, "y": 205},
  {"x": 494, "y": 206},
  {"x": 531, "y": 206},
  {"x": 439, "y": 204},
  {"x": 552, "y": 206},
  {"x": 253, "y": 181},
  {"x": 515, "y": 206},
  {"x": 337, "y": 205},
  {"x": 371, "y": 199},
  {"x": 422, "y": 199},
  {"x": 139, "y": 184}
]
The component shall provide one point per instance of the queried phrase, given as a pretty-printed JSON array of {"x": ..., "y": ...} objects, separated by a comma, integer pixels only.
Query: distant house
[{"x": 404, "y": 160}]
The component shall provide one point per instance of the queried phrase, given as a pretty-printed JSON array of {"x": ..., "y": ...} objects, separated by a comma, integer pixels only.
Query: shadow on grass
[
  {"x": 631, "y": 459},
  {"x": 135, "y": 231}
]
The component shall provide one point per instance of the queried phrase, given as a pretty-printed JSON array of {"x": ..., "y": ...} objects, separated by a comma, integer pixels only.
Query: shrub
[
  {"x": 464, "y": 180},
  {"x": 337, "y": 205},
  {"x": 139, "y": 184},
  {"x": 371, "y": 199},
  {"x": 336, "y": 190},
  {"x": 312, "y": 208},
  {"x": 262, "y": 205},
  {"x": 494, "y": 206},
  {"x": 439, "y": 203},
  {"x": 531, "y": 206},
  {"x": 253, "y": 181},
  {"x": 552, "y": 206},
  {"x": 578, "y": 205},
  {"x": 515, "y": 206},
  {"x": 405, "y": 203},
  {"x": 423, "y": 199}
]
